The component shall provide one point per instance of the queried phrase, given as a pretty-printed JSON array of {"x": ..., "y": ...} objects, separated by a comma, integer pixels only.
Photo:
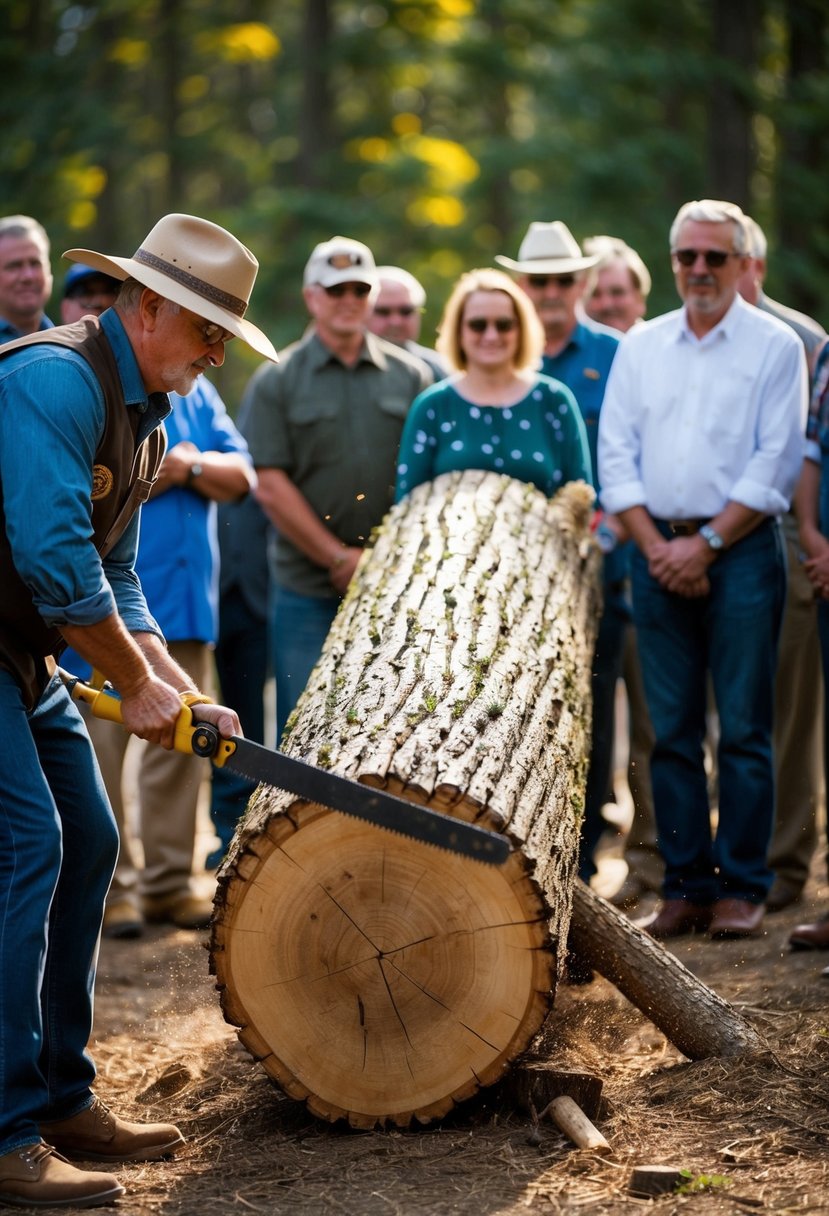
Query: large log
[
  {"x": 377, "y": 978},
  {"x": 382, "y": 980}
]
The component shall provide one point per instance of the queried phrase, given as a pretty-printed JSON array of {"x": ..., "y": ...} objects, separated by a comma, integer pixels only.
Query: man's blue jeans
[
  {"x": 58, "y": 845},
  {"x": 731, "y": 632},
  {"x": 300, "y": 627}
]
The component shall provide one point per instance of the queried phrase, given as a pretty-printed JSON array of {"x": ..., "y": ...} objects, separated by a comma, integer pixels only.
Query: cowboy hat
[
  {"x": 548, "y": 249},
  {"x": 196, "y": 264}
]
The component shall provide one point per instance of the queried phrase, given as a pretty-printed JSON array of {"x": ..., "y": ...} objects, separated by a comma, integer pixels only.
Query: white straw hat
[{"x": 548, "y": 249}]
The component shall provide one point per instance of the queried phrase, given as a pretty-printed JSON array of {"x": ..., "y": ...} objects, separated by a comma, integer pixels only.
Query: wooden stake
[{"x": 571, "y": 1119}]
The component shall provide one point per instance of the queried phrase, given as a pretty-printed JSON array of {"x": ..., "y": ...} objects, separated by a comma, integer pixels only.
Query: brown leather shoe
[
  {"x": 783, "y": 894},
  {"x": 814, "y": 936},
  {"x": 675, "y": 917},
  {"x": 183, "y": 910},
  {"x": 35, "y": 1176},
  {"x": 96, "y": 1134},
  {"x": 736, "y": 918}
]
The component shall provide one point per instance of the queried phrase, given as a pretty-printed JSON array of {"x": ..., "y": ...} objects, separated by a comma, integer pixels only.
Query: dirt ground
[{"x": 752, "y": 1133}]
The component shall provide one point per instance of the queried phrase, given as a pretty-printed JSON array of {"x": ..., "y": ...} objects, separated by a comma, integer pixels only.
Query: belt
[{"x": 681, "y": 527}]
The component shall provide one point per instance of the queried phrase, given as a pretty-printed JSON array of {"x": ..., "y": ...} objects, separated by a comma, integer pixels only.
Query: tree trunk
[{"x": 378, "y": 978}]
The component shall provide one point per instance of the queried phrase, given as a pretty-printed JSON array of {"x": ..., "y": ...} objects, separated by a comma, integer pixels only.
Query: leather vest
[{"x": 122, "y": 476}]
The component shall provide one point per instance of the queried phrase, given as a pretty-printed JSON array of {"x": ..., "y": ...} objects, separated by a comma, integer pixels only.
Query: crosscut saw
[{"x": 310, "y": 783}]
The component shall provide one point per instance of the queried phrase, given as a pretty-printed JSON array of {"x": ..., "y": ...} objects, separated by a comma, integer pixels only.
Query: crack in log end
[
  {"x": 481, "y": 1038},
  {"x": 401, "y": 1020}
]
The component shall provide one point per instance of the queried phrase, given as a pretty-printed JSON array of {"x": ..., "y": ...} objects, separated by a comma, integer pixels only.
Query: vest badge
[{"x": 101, "y": 481}]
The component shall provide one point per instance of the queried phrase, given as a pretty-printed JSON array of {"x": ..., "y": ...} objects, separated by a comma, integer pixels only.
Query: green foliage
[
  {"x": 698, "y": 1183},
  {"x": 435, "y": 130}
]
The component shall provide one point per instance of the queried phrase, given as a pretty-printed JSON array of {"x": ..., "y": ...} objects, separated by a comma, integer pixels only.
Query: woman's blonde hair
[{"x": 530, "y": 330}]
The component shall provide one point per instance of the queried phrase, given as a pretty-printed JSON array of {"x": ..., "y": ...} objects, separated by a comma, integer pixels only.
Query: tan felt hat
[{"x": 196, "y": 264}]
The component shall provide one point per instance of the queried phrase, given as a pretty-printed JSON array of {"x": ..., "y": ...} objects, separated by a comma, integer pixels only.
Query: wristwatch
[
  {"x": 196, "y": 470},
  {"x": 712, "y": 538}
]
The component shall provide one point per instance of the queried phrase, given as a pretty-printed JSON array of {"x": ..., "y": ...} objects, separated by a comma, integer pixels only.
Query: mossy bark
[{"x": 377, "y": 978}]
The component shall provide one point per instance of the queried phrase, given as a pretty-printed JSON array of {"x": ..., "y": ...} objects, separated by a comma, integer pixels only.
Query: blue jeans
[
  {"x": 300, "y": 627},
  {"x": 731, "y": 632},
  {"x": 607, "y": 669},
  {"x": 58, "y": 845},
  {"x": 242, "y": 667}
]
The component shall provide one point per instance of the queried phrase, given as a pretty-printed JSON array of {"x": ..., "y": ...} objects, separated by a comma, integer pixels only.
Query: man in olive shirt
[{"x": 324, "y": 433}]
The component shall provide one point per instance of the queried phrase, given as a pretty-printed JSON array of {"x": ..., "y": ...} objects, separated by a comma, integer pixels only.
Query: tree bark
[{"x": 380, "y": 979}]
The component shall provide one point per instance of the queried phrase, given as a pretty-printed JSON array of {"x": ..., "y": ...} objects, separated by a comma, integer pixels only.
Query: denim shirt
[{"x": 52, "y": 416}]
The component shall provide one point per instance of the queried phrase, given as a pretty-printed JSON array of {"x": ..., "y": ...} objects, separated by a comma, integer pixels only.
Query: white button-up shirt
[{"x": 688, "y": 424}]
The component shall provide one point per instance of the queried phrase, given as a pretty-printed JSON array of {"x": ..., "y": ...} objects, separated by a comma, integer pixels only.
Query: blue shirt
[
  {"x": 9, "y": 332},
  {"x": 52, "y": 416},
  {"x": 584, "y": 366},
  {"x": 178, "y": 554}
]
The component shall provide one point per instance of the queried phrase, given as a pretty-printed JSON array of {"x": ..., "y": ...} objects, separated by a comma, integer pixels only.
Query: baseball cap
[
  {"x": 78, "y": 274},
  {"x": 340, "y": 260}
]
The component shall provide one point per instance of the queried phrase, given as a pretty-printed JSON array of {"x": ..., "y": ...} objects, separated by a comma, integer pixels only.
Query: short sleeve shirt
[{"x": 335, "y": 431}]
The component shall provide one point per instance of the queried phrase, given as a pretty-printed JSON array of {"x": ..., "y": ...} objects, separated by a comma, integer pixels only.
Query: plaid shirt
[{"x": 817, "y": 426}]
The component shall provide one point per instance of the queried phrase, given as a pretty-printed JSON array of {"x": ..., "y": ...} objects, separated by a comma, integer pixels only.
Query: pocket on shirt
[
  {"x": 395, "y": 406},
  {"x": 316, "y": 427}
]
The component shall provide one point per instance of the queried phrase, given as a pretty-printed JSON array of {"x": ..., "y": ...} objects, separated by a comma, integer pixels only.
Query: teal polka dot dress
[{"x": 540, "y": 439}]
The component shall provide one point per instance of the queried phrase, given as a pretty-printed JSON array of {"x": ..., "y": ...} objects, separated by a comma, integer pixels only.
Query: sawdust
[{"x": 752, "y": 1133}]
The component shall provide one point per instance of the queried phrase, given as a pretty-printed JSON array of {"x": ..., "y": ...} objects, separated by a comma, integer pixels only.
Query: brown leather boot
[
  {"x": 35, "y": 1176},
  {"x": 96, "y": 1134}
]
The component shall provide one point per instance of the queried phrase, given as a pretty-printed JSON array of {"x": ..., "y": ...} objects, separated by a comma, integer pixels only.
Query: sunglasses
[
  {"x": 402, "y": 310},
  {"x": 714, "y": 258},
  {"x": 360, "y": 290},
  {"x": 540, "y": 281},
  {"x": 479, "y": 325}
]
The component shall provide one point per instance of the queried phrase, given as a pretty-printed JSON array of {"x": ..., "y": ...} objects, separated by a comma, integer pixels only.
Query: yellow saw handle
[{"x": 192, "y": 738}]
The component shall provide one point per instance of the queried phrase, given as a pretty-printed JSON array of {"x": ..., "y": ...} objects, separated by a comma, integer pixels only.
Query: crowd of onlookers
[{"x": 694, "y": 429}]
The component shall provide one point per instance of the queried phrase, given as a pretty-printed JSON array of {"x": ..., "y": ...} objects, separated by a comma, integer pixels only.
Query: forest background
[{"x": 434, "y": 130}]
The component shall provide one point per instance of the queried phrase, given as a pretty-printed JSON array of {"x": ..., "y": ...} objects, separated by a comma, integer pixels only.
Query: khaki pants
[
  {"x": 798, "y": 718},
  {"x": 641, "y": 849},
  {"x": 166, "y": 794}
]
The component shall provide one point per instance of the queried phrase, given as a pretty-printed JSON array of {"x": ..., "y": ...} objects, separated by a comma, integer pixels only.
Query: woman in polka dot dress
[{"x": 497, "y": 412}]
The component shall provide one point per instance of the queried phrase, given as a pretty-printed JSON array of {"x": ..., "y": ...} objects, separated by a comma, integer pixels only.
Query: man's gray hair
[
  {"x": 757, "y": 244},
  {"x": 25, "y": 226},
  {"x": 614, "y": 249},
  {"x": 713, "y": 211},
  {"x": 396, "y": 274}
]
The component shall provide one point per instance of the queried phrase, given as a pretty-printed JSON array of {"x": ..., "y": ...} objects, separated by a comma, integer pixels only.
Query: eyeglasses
[
  {"x": 479, "y": 325},
  {"x": 540, "y": 281},
  {"x": 360, "y": 290},
  {"x": 714, "y": 258},
  {"x": 402, "y": 310},
  {"x": 213, "y": 333}
]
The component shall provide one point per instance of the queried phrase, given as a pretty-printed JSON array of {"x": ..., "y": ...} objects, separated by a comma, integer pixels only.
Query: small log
[
  {"x": 689, "y": 1014},
  {"x": 648, "y": 1181},
  {"x": 571, "y": 1119}
]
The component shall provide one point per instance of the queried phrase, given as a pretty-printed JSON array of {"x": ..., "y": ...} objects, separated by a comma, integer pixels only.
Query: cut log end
[{"x": 372, "y": 965}]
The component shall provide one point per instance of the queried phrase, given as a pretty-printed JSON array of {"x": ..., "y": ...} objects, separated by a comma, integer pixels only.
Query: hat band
[{"x": 214, "y": 294}]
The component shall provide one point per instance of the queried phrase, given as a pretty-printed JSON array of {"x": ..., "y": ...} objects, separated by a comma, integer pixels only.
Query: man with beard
[{"x": 701, "y": 443}]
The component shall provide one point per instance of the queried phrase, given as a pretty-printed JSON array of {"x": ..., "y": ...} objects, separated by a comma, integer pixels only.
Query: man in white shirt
[{"x": 701, "y": 441}]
